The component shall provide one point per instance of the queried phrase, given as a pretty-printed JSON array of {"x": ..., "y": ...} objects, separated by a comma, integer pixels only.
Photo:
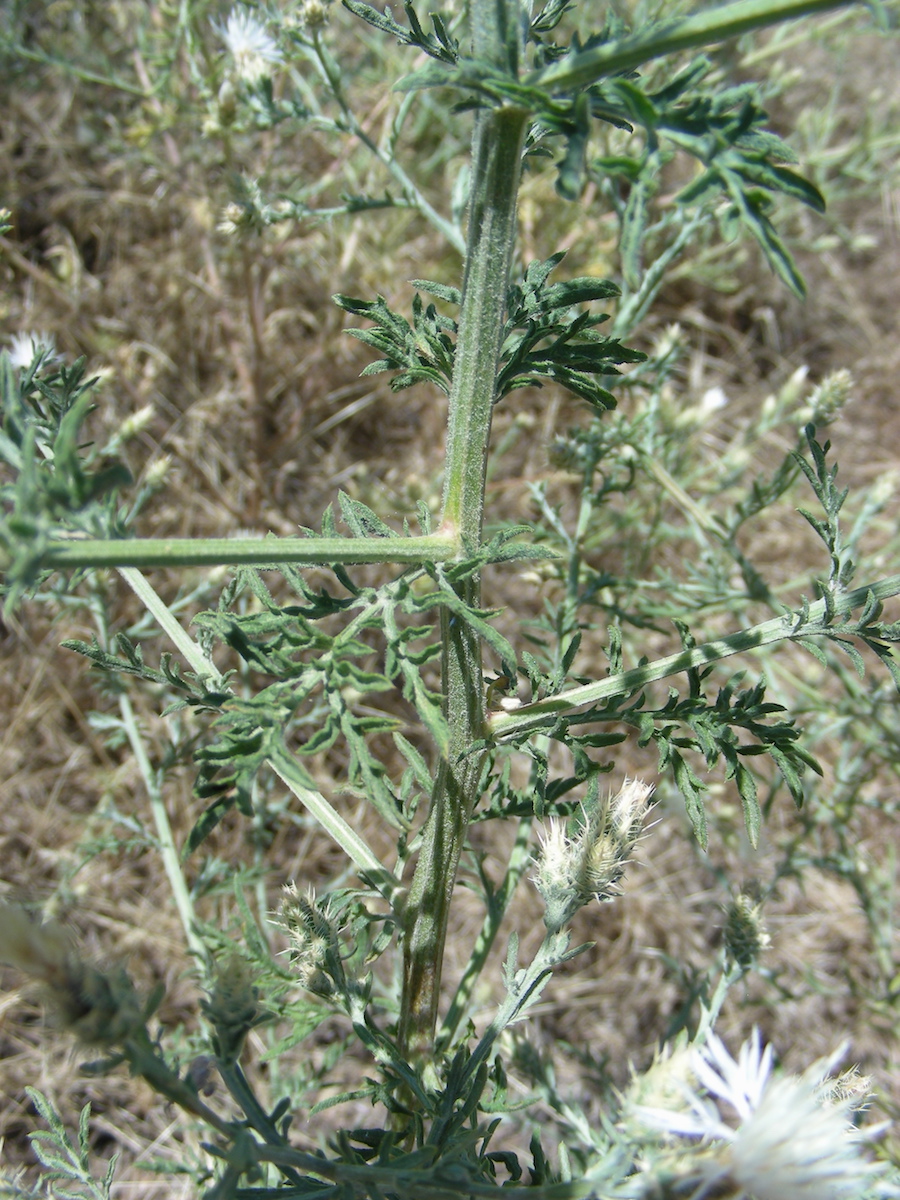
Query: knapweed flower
[
  {"x": 573, "y": 869},
  {"x": 788, "y": 1137},
  {"x": 25, "y": 347},
  {"x": 252, "y": 50}
]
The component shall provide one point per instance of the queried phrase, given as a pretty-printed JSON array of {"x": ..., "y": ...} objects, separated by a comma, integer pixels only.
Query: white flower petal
[
  {"x": 793, "y": 1141},
  {"x": 252, "y": 49}
]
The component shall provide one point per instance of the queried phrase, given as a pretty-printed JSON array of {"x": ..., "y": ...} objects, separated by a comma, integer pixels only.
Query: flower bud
[
  {"x": 232, "y": 1006},
  {"x": 573, "y": 869},
  {"x": 745, "y": 932},
  {"x": 311, "y": 933}
]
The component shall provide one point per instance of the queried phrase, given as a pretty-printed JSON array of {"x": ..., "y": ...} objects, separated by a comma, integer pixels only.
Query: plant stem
[
  {"x": 788, "y": 626},
  {"x": 166, "y": 839},
  {"x": 498, "y": 903},
  {"x": 714, "y": 24},
  {"x": 496, "y": 169},
  {"x": 413, "y": 195},
  {"x": 264, "y": 551}
]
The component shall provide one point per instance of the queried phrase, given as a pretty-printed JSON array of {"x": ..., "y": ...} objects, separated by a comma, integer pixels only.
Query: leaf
[
  {"x": 206, "y": 823},
  {"x": 362, "y": 520},
  {"x": 571, "y": 172},
  {"x": 441, "y": 290},
  {"x": 693, "y": 792},
  {"x": 746, "y": 785}
]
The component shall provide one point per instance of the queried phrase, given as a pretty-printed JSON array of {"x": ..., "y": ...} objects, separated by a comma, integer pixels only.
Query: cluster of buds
[
  {"x": 100, "y": 1009},
  {"x": 575, "y": 868}
]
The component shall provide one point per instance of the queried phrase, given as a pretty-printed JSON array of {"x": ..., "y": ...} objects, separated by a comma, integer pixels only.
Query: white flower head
[
  {"x": 781, "y": 1138},
  {"x": 252, "y": 49},
  {"x": 25, "y": 347}
]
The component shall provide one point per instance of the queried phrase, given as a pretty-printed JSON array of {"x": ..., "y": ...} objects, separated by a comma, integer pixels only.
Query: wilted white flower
[
  {"x": 792, "y": 1140},
  {"x": 251, "y": 48},
  {"x": 25, "y": 347},
  {"x": 312, "y": 930}
]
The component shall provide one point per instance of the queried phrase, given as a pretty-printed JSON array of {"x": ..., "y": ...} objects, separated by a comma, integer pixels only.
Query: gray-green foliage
[{"x": 329, "y": 659}]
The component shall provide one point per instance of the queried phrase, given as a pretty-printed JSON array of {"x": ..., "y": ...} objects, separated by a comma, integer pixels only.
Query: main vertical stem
[{"x": 496, "y": 169}]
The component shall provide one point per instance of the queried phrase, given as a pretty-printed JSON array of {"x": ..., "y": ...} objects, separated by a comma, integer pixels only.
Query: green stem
[
  {"x": 789, "y": 626},
  {"x": 331, "y": 72},
  {"x": 496, "y": 170},
  {"x": 425, "y": 1180},
  {"x": 284, "y": 767},
  {"x": 334, "y": 824},
  {"x": 257, "y": 1117},
  {"x": 701, "y": 29},
  {"x": 498, "y": 903},
  {"x": 264, "y": 551},
  {"x": 200, "y": 663},
  {"x": 165, "y": 838},
  {"x": 520, "y": 993}
]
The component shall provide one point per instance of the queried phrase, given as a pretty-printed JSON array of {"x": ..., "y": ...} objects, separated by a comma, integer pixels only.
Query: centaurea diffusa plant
[{"x": 301, "y": 652}]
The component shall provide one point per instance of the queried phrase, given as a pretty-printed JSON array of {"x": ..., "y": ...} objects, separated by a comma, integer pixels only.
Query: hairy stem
[
  {"x": 264, "y": 551},
  {"x": 714, "y": 24},
  {"x": 496, "y": 169},
  {"x": 789, "y": 626}
]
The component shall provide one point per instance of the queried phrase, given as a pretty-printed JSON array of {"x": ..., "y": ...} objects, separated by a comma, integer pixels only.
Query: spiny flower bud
[
  {"x": 312, "y": 14},
  {"x": 574, "y": 869},
  {"x": 828, "y": 398},
  {"x": 155, "y": 475},
  {"x": 311, "y": 933},
  {"x": 136, "y": 423},
  {"x": 745, "y": 932},
  {"x": 232, "y": 1006}
]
